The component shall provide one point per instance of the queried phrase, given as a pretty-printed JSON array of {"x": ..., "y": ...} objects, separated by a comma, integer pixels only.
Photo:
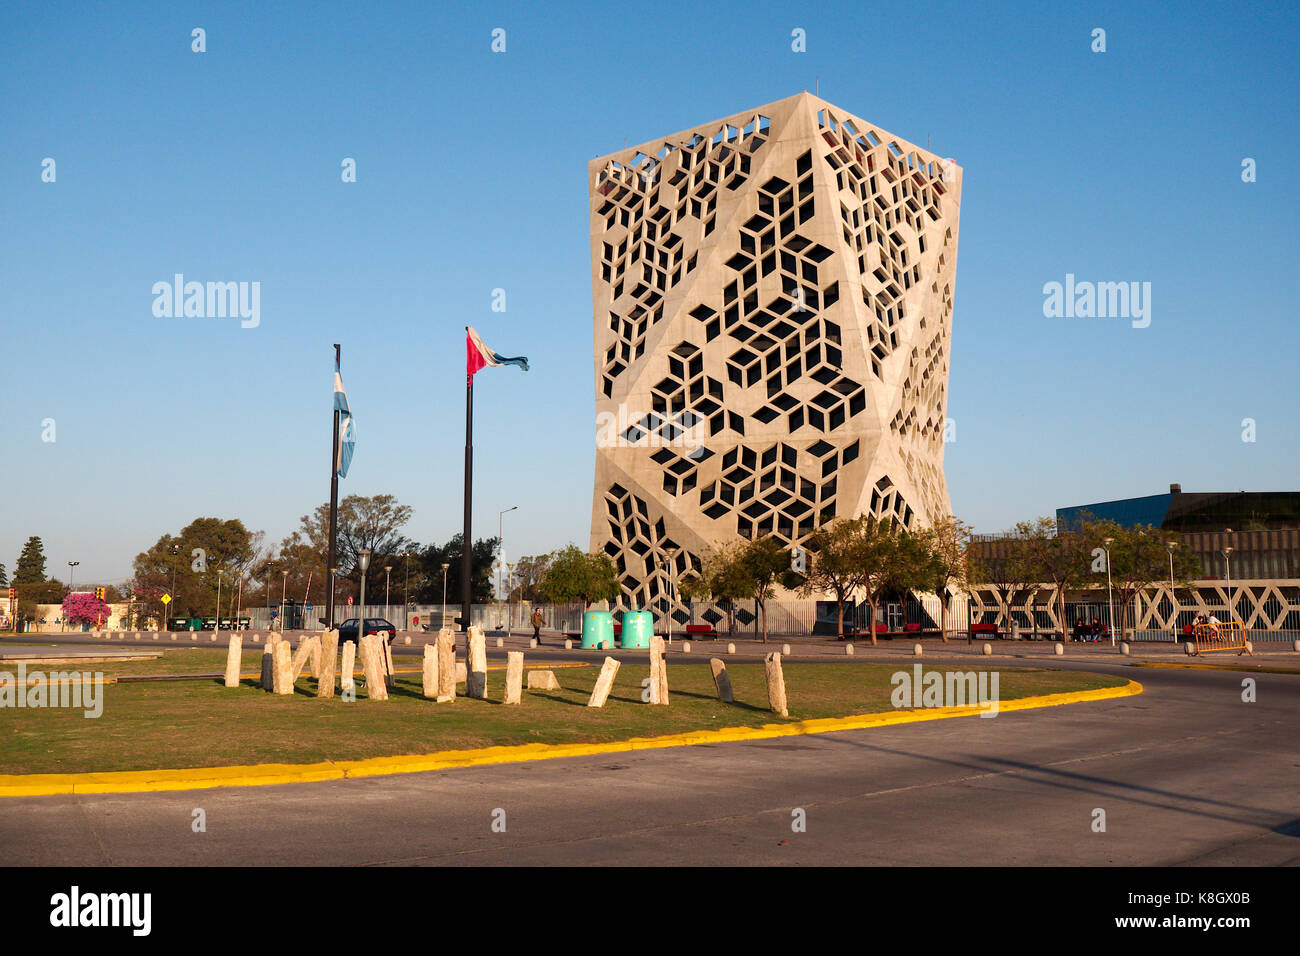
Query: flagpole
[
  {"x": 334, "y": 505},
  {"x": 466, "y": 591}
]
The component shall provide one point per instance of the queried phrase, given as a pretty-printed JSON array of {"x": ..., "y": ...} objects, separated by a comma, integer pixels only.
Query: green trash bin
[
  {"x": 597, "y": 628},
  {"x": 638, "y": 628}
]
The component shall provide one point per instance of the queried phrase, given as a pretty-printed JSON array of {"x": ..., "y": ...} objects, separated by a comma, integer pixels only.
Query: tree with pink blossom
[{"x": 83, "y": 607}]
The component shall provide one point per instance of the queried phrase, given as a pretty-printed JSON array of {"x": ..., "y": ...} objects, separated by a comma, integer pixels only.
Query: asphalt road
[{"x": 1187, "y": 774}]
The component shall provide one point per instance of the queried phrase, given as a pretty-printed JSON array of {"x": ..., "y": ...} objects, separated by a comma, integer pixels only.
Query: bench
[
  {"x": 701, "y": 631},
  {"x": 982, "y": 630}
]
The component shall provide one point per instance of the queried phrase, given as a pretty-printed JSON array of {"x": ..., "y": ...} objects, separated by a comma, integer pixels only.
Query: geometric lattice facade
[{"x": 773, "y": 297}]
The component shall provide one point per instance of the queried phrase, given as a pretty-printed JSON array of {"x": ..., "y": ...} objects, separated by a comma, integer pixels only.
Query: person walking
[{"x": 537, "y": 625}]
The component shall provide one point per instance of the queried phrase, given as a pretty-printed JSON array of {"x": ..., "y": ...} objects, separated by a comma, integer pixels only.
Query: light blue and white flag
[{"x": 347, "y": 432}]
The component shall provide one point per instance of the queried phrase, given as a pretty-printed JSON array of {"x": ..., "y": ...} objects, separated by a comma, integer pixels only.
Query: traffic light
[{"x": 11, "y": 594}]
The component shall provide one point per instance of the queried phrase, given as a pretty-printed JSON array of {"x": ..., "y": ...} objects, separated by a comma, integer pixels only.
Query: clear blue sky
[{"x": 1122, "y": 166}]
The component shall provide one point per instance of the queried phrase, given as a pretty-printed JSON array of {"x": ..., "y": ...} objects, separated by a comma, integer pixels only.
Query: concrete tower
[{"x": 772, "y": 295}]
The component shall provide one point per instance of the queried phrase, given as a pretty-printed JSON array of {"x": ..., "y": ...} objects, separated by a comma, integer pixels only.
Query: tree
[
  {"x": 431, "y": 559},
  {"x": 28, "y": 596},
  {"x": 835, "y": 564},
  {"x": 529, "y": 571},
  {"x": 877, "y": 553},
  {"x": 84, "y": 608},
  {"x": 719, "y": 578},
  {"x": 363, "y": 523},
  {"x": 192, "y": 559},
  {"x": 571, "y": 574},
  {"x": 759, "y": 564},
  {"x": 31, "y": 563},
  {"x": 1056, "y": 556},
  {"x": 4, "y": 576},
  {"x": 1139, "y": 557},
  {"x": 948, "y": 539},
  {"x": 1002, "y": 566}
]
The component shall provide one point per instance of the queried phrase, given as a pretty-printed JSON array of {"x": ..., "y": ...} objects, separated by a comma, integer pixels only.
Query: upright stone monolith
[
  {"x": 431, "y": 671},
  {"x": 268, "y": 667},
  {"x": 390, "y": 674},
  {"x": 514, "y": 676},
  {"x": 283, "y": 662},
  {"x": 476, "y": 673},
  {"x": 446, "y": 664},
  {"x": 721, "y": 681},
  {"x": 604, "y": 683},
  {"x": 776, "y": 685},
  {"x": 372, "y": 666},
  {"x": 234, "y": 657},
  {"x": 347, "y": 670},
  {"x": 658, "y": 672},
  {"x": 303, "y": 655},
  {"x": 329, "y": 656}
]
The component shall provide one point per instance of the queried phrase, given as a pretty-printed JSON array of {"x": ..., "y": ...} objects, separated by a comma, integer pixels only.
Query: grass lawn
[{"x": 201, "y": 724}]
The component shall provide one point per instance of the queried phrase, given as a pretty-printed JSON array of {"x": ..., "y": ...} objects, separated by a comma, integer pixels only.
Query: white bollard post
[
  {"x": 1060, "y": 650},
  {"x": 917, "y": 650},
  {"x": 848, "y": 650},
  {"x": 988, "y": 649}
]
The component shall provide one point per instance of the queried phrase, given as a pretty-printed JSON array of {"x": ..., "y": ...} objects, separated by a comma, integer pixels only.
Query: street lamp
[
  {"x": 1173, "y": 597},
  {"x": 363, "y": 562},
  {"x": 668, "y": 553},
  {"x": 333, "y": 589},
  {"x": 1227, "y": 558},
  {"x": 71, "y": 565},
  {"x": 443, "y": 622},
  {"x": 387, "y": 569},
  {"x": 501, "y": 552},
  {"x": 284, "y": 593},
  {"x": 1110, "y": 605},
  {"x": 510, "y": 595},
  {"x": 406, "y": 594}
]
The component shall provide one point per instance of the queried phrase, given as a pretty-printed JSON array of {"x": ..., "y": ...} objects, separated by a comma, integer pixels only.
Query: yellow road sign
[{"x": 167, "y": 599}]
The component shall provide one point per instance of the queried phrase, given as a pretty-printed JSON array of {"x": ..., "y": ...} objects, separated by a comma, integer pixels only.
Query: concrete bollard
[
  {"x": 431, "y": 671},
  {"x": 514, "y": 676},
  {"x": 1189, "y": 649},
  {"x": 988, "y": 649},
  {"x": 658, "y": 672},
  {"x": 173, "y": 637},
  {"x": 775, "y": 685},
  {"x": 731, "y": 648},
  {"x": 214, "y": 639},
  {"x": 848, "y": 650},
  {"x": 234, "y": 657},
  {"x": 604, "y": 683},
  {"x": 1250, "y": 648},
  {"x": 329, "y": 655},
  {"x": 446, "y": 664},
  {"x": 501, "y": 642},
  {"x": 348, "y": 669},
  {"x": 257, "y": 638},
  {"x": 568, "y": 644},
  {"x": 1296, "y": 646},
  {"x": 155, "y": 637},
  {"x": 1059, "y": 650},
  {"x": 785, "y": 650},
  {"x": 406, "y": 639},
  {"x": 476, "y": 681},
  {"x": 542, "y": 680},
  {"x": 721, "y": 682},
  {"x": 532, "y": 642},
  {"x": 1123, "y": 648},
  {"x": 686, "y": 647},
  {"x": 268, "y": 668},
  {"x": 282, "y": 661},
  {"x": 917, "y": 650}
]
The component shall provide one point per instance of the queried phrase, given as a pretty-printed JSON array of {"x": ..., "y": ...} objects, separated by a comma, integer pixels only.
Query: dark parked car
[{"x": 374, "y": 625}]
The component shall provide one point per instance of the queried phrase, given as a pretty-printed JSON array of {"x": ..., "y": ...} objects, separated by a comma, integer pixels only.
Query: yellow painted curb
[
  {"x": 202, "y": 778},
  {"x": 1218, "y": 667}
]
